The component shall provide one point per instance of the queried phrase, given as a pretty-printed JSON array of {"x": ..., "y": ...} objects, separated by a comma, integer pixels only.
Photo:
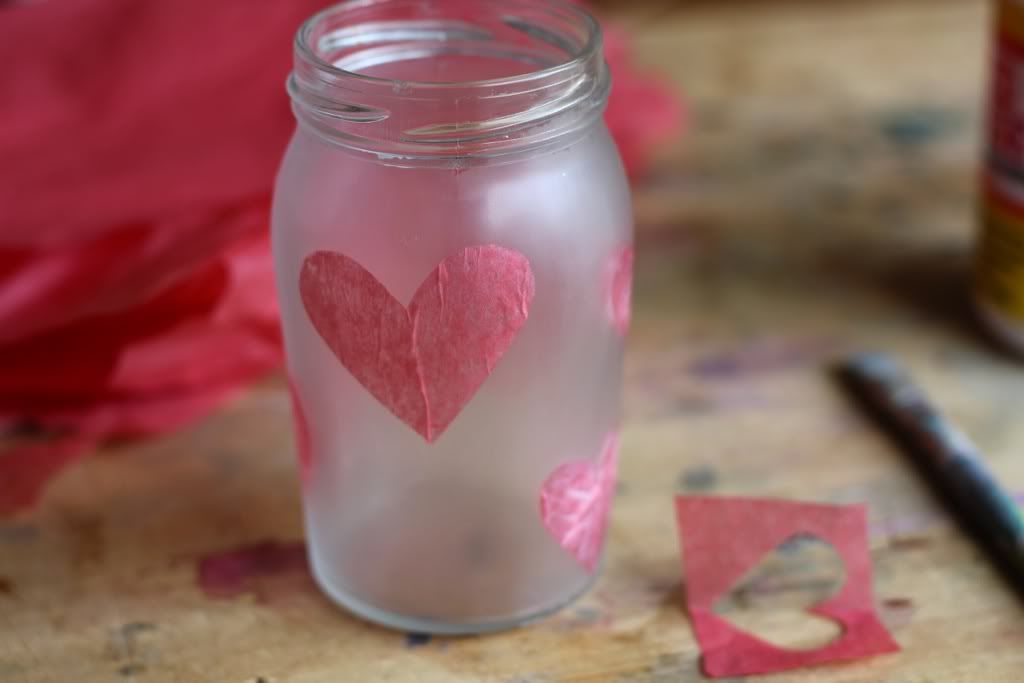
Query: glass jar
[{"x": 452, "y": 235}]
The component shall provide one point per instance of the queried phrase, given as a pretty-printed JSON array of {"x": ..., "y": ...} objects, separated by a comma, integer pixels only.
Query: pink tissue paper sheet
[
  {"x": 642, "y": 111},
  {"x": 723, "y": 538},
  {"x": 139, "y": 147}
]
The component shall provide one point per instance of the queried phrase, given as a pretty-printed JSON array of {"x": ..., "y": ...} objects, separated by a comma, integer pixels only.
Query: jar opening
[{"x": 443, "y": 77}]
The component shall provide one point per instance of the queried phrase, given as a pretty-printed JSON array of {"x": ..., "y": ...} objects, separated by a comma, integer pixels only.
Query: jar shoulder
[{"x": 578, "y": 188}]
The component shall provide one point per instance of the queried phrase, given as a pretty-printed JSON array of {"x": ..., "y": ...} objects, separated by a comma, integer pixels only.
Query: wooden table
[{"x": 823, "y": 201}]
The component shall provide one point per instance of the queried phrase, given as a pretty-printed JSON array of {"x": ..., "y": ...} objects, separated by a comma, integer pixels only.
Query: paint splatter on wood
[
  {"x": 917, "y": 126},
  {"x": 132, "y": 669},
  {"x": 899, "y": 603},
  {"x": 698, "y": 479},
  {"x": 908, "y": 543},
  {"x": 231, "y": 573},
  {"x": 763, "y": 357},
  {"x": 125, "y": 647},
  {"x": 415, "y": 640},
  {"x": 19, "y": 534},
  {"x": 898, "y": 612}
]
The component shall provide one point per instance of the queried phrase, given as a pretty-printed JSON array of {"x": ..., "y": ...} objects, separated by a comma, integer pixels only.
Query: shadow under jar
[{"x": 452, "y": 236}]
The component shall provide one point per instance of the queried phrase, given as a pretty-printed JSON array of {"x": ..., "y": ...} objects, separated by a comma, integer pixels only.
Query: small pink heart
[
  {"x": 424, "y": 361},
  {"x": 576, "y": 500},
  {"x": 620, "y": 289}
]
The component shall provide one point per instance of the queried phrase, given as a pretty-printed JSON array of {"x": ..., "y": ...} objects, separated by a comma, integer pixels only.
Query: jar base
[{"x": 407, "y": 624}]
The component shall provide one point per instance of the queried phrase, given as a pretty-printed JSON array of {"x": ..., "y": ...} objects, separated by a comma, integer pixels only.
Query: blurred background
[
  {"x": 807, "y": 180},
  {"x": 784, "y": 153}
]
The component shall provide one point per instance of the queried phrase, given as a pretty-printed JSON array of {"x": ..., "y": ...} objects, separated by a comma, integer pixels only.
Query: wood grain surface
[{"x": 821, "y": 202}]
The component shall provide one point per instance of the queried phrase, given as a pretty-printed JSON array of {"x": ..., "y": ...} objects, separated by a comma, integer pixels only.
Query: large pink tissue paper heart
[{"x": 425, "y": 361}]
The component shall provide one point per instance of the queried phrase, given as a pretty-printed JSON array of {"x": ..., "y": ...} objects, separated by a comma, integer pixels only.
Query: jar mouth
[
  {"x": 317, "y": 39},
  {"x": 437, "y": 77}
]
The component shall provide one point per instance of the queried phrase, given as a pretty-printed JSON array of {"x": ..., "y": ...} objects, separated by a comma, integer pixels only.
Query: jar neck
[{"x": 428, "y": 79}]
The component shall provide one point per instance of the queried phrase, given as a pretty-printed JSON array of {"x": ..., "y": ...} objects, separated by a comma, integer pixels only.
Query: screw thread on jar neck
[{"x": 421, "y": 79}]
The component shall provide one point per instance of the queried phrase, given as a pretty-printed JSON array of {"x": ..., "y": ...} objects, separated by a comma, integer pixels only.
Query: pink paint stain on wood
[
  {"x": 576, "y": 500},
  {"x": 234, "y": 572},
  {"x": 425, "y": 361}
]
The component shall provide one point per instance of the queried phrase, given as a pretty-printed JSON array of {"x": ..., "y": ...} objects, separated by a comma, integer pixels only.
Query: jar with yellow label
[{"x": 999, "y": 272}]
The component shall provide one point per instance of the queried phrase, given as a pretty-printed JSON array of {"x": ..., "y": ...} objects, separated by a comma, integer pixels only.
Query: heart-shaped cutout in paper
[
  {"x": 775, "y": 599},
  {"x": 424, "y": 361},
  {"x": 723, "y": 538},
  {"x": 576, "y": 500}
]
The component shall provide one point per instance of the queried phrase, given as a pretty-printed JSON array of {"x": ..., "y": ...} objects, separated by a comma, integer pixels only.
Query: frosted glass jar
[{"x": 452, "y": 234}]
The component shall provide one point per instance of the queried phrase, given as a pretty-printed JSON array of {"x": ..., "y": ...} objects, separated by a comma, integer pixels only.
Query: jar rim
[
  {"x": 592, "y": 45},
  {"x": 422, "y": 118}
]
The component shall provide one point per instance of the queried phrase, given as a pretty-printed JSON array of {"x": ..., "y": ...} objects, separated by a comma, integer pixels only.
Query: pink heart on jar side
[
  {"x": 620, "y": 289},
  {"x": 576, "y": 500},
  {"x": 425, "y": 361}
]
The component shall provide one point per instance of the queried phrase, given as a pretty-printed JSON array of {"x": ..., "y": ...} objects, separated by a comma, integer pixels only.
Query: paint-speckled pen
[{"x": 943, "y": 450}]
